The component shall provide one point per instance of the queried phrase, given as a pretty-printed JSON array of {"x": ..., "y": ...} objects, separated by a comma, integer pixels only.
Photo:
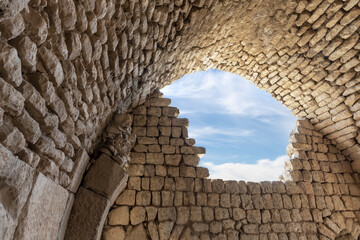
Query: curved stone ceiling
[{"x": 66, "y": 66}]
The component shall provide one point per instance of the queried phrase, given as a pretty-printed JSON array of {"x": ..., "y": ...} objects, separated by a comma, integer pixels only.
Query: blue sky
[{"x": 245, "y": 130}]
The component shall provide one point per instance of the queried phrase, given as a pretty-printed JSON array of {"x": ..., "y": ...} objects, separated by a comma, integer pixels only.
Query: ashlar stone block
[
  {"x": 106, "y": 177},
  {"x": 87, "y": 216},
  {"x": 42, "y": 214},
  {"x": 16, "y": 183}
]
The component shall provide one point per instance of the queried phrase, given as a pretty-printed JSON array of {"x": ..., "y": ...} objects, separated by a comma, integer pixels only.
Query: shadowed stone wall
[{"x": 67, "y": 66}]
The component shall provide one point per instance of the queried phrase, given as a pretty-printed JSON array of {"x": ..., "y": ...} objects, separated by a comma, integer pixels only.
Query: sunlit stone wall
[
  {"x": 168, "y": 196},
  {"x": 66, "y": 66}
]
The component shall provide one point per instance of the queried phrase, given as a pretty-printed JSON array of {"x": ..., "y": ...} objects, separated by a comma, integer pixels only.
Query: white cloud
[
  {"x": 262, "y": 170},
  {"x": 226, "y": 93},
  {"x": 201, "y": 132}
]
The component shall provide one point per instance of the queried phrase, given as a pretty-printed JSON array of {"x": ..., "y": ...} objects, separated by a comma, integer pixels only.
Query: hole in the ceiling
[{"x": 244, "y": 129}]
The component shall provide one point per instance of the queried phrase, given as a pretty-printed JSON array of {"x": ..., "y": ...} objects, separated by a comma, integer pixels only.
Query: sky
[{"x": 245, "y": 130}]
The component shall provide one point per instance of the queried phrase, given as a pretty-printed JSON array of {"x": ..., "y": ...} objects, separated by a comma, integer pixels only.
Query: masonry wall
[
  {"x": 168, "y": 196},
  {"x": 66, "y": 67}
]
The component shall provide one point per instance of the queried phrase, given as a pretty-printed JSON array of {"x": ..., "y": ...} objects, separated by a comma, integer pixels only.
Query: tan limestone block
[
  {"x": 221, "y": 213},
  {"x": 127, "y": 197},
  {"x": 119, "y": 216},
  {"x": 167, "y": 198},
  {"x": 184, "y": 184},
  {"x": 187, "y": 172},
  {"x": 156, "y": 183},
  {"x": 167, "y": 214},
  {"x": 143, "y": 198},
  {"x": 173, "y": 160},
  {"x": 155, "y": 198},
  {"x": 107, "y": 183},
  {"x": 170, "y": 112},
  {"x": 155, "y": 158},
  {"x": 167, "y": 149},
  {"x": 114, "y": 233},
  {"x": 215, "y": 227},
  {"x": 152, "y": 121},
  {"x": 160, "y": 171},
  {"x": 137, "y": 215},
  {"x": 137, "y": 232}
]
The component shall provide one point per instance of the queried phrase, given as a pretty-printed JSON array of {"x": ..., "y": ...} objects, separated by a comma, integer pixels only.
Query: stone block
[
  {"x": 43, "y": 212},
  {"x": 173, "y": 160},
  {"x": 143, "y": 198},
  {"x": 52, "y": 65},
  {"x": 137, "y": 215},
  {"x": 114, "y": 233},
  {"x": 155, "y": 158},
  {"x": 46, "y": 147},
  {"x": 184, "y": 184},
  {"x": 119, "y": 216},
  {"x": 28, "y": 126},
  {"x": 159, "y": 102},
  {"x": 191, "y": 160},
  {"x": 10, "y": 99},
  {"x": 87, "y": 216},
  {"x": 10, "y": 65},
  {"x": 165, "y": 229},
  {"x": 27, "y": 51},
  {"x": 167, "y": 214},
  {"x": 106, "y": 177},
  {"x": 137, "y": 233},
  {"x": 80, "y": 162},
  {"x": 36, "y": 25},
  {"x": 16, "y": 183},
  {"x": 156, "y": 183},
  {"x": 12, "y": 27},
  {"x": 68, "y": 14},
  {"x": 66, "y": 216},
  {"x": 127, "y": 197},
  {"x": 187, "y": 172},
  {"x": 12, "y": 138}
]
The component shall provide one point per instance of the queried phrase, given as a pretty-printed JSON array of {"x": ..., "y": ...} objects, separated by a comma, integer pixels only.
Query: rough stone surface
[
  {"x": 88, "y": 215},
  {"x": 71, "y": 65},
  {"x": 41, "y": 216},
  {"x": 16, "y": 179},
  {"x": 314, "y": 193},
  {"x": 106, "y": 178}
]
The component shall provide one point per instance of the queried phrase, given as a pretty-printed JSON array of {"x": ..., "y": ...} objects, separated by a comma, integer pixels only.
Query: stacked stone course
[{"x": 168, "y": 196}]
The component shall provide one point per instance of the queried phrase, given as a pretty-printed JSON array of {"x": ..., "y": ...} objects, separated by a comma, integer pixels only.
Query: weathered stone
[
  {"x": 87, "y": 215},
  {"x": 114, "y": 233},
  {"x": 137, "y": 232},
  {"x": 52, "y": 65},
  {"x": 15, "y": 189},
  {"x": 12, "y": 27},
  {"x": 28, "y": 126},
  {"x": 80, "y": 162},
  {"x": 43, "y": 211},
  {"x": 137, "y": 215},
  {"x": 67, "y": 14},
  {"x": 165, "y": 229},
  {"x": 11, "y": 8},
  {"x": 106, "y": 177},
  {"x": 10, "y": 66},
  {"x": 12, "y": 138},
  {"x": 119, "y": 216},
  {"x": 35, "y": 26}
]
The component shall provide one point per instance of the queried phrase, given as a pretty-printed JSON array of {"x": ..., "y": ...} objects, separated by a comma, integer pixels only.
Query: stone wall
[
  {"x": 168, "y": 196},
  {"x": 66, "y": 66}
]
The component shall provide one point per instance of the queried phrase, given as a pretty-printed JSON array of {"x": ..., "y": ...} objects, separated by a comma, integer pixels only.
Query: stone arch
[{"x": 66, "y": 66}]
